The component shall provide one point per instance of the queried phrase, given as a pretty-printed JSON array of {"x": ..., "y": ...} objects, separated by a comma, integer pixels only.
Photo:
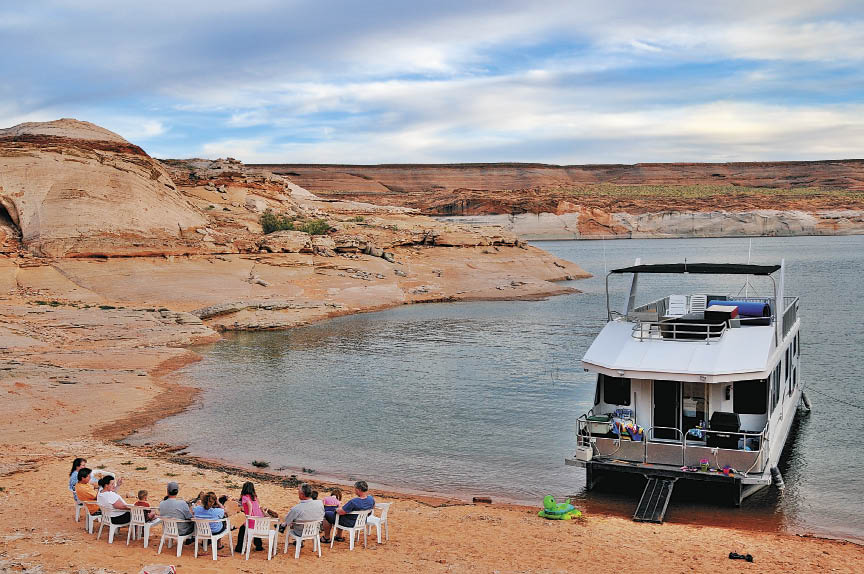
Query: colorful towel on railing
[
  {"x": 696, "y": 432},
  {"x": 626, "y": 428}
]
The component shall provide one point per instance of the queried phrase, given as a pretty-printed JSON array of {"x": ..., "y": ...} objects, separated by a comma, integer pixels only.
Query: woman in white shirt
[{"x": 120, "y": 514}]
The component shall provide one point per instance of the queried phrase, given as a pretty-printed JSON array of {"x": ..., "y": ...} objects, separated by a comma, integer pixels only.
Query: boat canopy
[{"x": 704, "y": 268}]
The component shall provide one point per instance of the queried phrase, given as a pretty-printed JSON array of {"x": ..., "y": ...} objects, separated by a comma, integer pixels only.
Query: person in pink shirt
[{"x": 250, "y": 506}]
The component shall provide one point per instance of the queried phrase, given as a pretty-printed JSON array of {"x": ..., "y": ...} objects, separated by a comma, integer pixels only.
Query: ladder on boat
[{"x": 655, "y": 499}]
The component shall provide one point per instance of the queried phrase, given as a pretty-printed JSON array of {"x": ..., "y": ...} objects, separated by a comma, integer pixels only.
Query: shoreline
[
  {"x": 593, "y": 224},
  {"x": 171, "y": 383}
]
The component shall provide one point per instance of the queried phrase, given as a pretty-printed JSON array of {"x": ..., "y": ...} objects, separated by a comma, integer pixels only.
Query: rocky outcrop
[
  {"x": 75, "y": 189},
  {"x": 287, "y": 242},
  {"x": 537, "y": 201}
]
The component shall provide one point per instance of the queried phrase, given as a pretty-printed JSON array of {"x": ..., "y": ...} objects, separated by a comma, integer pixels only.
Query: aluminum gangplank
[{"x": 655, "y": 499}]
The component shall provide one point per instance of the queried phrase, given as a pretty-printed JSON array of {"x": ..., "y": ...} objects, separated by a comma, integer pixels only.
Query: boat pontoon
[{"x": 700, "y": 386}]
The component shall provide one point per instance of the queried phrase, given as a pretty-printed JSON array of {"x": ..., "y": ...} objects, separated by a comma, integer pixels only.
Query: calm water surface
[{"x": 481, "y": 398}]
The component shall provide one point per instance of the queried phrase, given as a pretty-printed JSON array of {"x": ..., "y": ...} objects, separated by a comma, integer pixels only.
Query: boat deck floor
[{"x": 658, "y": 470}]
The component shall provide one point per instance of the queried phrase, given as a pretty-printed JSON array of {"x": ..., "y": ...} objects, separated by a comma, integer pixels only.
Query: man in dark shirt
[{"x": 362, "y": 501}]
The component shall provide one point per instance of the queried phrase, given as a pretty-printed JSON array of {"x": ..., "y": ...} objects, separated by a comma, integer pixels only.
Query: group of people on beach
[{"x": 103, "y": 492}]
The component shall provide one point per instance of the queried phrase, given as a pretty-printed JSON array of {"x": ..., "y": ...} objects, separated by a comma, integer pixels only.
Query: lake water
[{"x": 481, "y": 398}]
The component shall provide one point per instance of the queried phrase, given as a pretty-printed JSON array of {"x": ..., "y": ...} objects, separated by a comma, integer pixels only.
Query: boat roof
[
  {"x": 703, "y": 268},
  {"x": 741, "y": 353}
]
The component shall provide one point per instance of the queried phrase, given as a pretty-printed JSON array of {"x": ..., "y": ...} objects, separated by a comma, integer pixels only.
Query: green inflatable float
[{"x": 558, "y": 510}]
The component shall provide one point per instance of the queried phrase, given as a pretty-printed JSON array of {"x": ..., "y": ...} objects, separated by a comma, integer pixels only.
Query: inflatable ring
[{"x": 558, "y": 510}]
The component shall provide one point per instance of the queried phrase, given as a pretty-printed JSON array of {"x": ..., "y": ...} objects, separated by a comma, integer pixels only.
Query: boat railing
[
  {"x": 676, "y": 451},
  {"x": 678, "y": 331}
]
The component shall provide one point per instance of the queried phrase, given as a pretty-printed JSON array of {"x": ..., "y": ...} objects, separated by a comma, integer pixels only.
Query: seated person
[
  {"x": 332, "y": 502},
  {"x": 77, "y": 465},
  {"x": 142, "y": 501},
  {"x": 362, "y": 501},
  {"x": 85, "y": 490},
  {"x": 173, "y": 507},
  {"x": 308, "y": 509},
  {"x": 209, "y": 508},
  {"x": 120, "y": 514}
]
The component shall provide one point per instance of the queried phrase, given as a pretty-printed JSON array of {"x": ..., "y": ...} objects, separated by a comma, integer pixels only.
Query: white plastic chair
[
  {"x": 359, "y": 526},
  {"x": 265, "y": 527},
  {"x": 677, "y": 306},
  {"x": 378, "y": 521},
  {"x": 138, "y": 522},
  {"x": 204, "y": 534},
  {"x": 107, "y": 509},
  {"x": 171, "y": 533},
  {"x": 90, "y": 519},
  {"x": 698, "y": 303},
  {"x": 311, "y": 531},
  {"x": 78, "y": 505}
]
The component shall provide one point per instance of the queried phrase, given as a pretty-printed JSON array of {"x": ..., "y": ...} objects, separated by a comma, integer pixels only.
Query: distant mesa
[{"x": 74, "y": 189}]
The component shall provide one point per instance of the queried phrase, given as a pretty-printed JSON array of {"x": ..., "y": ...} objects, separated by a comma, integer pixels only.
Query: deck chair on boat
[
  {"x": 698, "y": 303},
  {"x": 677, "y": 306}
]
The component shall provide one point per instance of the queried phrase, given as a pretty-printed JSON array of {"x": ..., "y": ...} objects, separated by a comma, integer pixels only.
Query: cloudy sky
[{"x": 385, "y": 81}]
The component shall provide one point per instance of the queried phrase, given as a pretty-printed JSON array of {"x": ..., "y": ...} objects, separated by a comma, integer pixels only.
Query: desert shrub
[
  {"x": 260, "y": 463},
  {"x": 358, "y": 218},
  {"x": 315, "y": 227},
  {"x": 271, "y": 222}
]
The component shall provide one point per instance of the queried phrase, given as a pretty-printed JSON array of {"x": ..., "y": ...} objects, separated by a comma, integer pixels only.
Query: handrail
[
  {"x": 645, "y": 439},
  {"x": 583, "y": 431},
  {"x": 675, "y": 331}
]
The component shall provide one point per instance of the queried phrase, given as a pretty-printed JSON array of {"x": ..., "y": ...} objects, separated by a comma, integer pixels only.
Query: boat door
[
  {"x": 667, "y": 410},
  {"x": 694, "y": 407}
]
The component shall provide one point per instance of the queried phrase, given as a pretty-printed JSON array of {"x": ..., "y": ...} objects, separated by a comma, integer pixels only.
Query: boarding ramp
[{"x": 655, "y": 499}]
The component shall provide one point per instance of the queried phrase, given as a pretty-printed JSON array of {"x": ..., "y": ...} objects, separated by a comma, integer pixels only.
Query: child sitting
[
  {"x": 332, "y": 502},
  {"x": 142, "y": 501}
]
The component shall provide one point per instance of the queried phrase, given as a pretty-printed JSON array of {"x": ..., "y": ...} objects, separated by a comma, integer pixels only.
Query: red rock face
[{"x": 478, "y": 189}]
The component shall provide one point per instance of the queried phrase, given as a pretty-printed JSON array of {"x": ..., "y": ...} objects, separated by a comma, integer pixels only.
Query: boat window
[
  {"x": 750, "y": 397},
  {"x": 616, "y": 390},
  {"x": 776, "y": 387}
]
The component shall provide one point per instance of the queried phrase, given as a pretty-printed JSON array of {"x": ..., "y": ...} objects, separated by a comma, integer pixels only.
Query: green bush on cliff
[
  {"x": 271, "y": 222},
  {"x": 314, "y": 227}
]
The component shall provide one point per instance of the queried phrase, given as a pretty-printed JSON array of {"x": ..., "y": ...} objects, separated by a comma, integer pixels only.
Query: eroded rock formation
[
  {"x": 75, "y": 189},
  {"x": 642, "y": 200}
]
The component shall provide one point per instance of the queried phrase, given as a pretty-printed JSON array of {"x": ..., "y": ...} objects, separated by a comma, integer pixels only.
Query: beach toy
[
  {"x": 703, "y": 464},
  {"x": 558, "y": 510}
]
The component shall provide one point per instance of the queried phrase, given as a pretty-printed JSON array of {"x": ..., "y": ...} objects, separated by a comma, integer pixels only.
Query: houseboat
[{"x": 694, "y": 386}]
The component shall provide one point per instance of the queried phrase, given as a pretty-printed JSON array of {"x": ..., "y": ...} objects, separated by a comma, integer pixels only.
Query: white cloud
[
  {"x": 564, "y": 80},
  {"x": 719, "y": 131}
]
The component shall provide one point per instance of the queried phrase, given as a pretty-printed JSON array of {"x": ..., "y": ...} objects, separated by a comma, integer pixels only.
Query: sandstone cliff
[
  {"x": 75, "y": 189},
  {"x": 89, "y": 220},
  {"x": 539, "y": 201}
]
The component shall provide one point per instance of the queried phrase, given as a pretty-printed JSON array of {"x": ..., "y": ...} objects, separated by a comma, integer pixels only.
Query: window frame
[
  {"x": 606, "y": 379},
  {"x": 750, "y": 395}
]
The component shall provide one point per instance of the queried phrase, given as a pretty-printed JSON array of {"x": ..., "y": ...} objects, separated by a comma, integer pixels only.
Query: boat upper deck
[{"x": 675, "y": 336}]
